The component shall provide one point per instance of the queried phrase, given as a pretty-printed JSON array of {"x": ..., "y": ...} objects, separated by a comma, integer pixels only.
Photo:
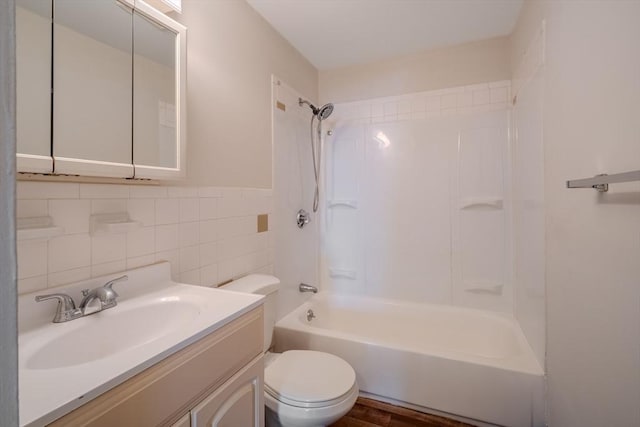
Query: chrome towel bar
[{"x": 601, "y": 182}]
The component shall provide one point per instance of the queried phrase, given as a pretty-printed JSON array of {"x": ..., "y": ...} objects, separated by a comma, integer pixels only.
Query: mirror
[
  {"x": 155, "y": 131},
  {"x": 92, "y": 83},
  {"x": 33, "y": 85}
]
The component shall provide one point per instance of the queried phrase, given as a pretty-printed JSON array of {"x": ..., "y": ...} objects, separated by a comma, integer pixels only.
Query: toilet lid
[{"x": 308, "y": 378}]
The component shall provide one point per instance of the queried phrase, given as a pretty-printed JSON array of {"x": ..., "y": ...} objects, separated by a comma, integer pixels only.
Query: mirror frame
[{"x": 160, "y": 172}]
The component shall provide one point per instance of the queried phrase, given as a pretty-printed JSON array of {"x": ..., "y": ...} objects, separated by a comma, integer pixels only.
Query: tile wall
[{"x": 208, "y": 234}]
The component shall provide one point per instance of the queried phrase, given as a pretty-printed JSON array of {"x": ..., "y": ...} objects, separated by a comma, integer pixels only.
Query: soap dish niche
[
  {"x": 41, "y": 227},
  {"x": 112, "y": 223}
]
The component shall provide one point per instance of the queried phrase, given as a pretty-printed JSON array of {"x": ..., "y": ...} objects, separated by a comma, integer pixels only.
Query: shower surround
[{"x": 417, "y": 198}]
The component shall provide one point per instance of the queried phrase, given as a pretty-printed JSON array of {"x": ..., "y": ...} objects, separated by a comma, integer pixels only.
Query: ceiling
[{"x": 338, "y": 33}]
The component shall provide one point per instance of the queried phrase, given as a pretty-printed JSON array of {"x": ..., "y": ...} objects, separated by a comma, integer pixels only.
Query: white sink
[
  {"x": 111, "y": 331},
  {"x": 64, "y": 365}
]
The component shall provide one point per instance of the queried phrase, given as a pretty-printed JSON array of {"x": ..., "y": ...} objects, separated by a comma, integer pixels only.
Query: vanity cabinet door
[
  {"x": 238, "y": 403},
  {"x": 33, "y": 85},
  {"x": 92, "y": 87},
  {"x": 159, "y": 61}
]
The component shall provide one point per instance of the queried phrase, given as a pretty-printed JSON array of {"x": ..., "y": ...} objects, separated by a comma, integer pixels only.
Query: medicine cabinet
[{"x": 100, "y": 89}]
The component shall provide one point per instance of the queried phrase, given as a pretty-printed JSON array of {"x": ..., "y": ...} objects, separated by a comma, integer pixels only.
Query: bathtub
[{"x": 469, "y": 363}]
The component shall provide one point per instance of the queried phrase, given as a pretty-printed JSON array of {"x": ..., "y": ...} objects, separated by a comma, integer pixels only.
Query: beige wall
[
  {"x": 461, "y": 65},
  {"x": 232, "y": 52},
  {"x": 591, "y": 109}
]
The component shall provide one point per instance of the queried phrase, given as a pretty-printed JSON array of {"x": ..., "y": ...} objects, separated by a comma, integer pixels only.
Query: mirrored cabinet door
[
  {"x": 158, "y": 94},
  {"x": 33, "y": 67},
  {"x": 92, "y": 87}
]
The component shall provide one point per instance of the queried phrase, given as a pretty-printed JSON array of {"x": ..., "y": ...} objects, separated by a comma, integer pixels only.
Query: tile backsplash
[{"x": 208, "y": 234}]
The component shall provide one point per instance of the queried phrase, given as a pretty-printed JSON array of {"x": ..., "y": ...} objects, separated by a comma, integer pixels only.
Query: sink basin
[{"x": 111, "y": 331}]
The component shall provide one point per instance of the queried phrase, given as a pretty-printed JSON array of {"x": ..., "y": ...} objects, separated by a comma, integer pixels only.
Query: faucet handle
[
  {"x": 110, "y": 283},
  {"x": 63, "y": 299},
  {"x": 66, "y": 309}
]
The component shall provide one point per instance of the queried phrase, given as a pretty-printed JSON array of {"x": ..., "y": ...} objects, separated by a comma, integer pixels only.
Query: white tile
[
  {"x": 32, "y": 258},
  {"x": 501, "y": 83},
  {"x": 148, "y": 192},
  {"x": 189, "y": 234},
  {"x": 404, "y": 106},
  {"x": 31, "y": 208},
  {"x": 69, "y": 252},
  {"x": 405, "y": 116},
  {"x": 68, "y": 276},
  {"x": 46, "y": 190},
  {"x": 32, "y": 284},
  {"x": 481, "y": 97},
  {"x": 190, "y": 277},
  {"x": 499, "y": 94},
  {"x": 417, "y": 104},
  {"x": 449, "y": 101},
  {"x": 390, "y": 109},
  {"x": 167, "y": 211},
  {"x": 182, "y": 192},
  {"x": 230, "y": 206},
  {"x": 241, "y": 265},
  {"x": 479, "y": 86},
  {"x": 103, "y": 191},
  {"x": 189, "y": 258},
  {"x": 432, "y": 104},
  {"x": 418, "y": 115},
  {"x": 189, "y": 210},
  {"x": 209, "y": 275},
  {"x": 108, "y": 247},
  {"x": 140, "y": 261},
  {"x": 209, "y": 192},
  {"x": 364, "y": 110},
  {"x": 167, "y": 237},
  {"x": 465, "y": 99},
  {"x": 102, "y": 206},
  {"x": 208, "y": 253},
  {"x": 173, "y": 257},
  {"x": 71, "y": 214},
  {"x": 230, "y": 227},
  {"x": 208, "y": 208},
  {"x": 141, "y": 242},
  {"x": 108, "y": 268},
  {"x": 208, "y": 231},
  {"x": 377, "y": 109},
  {"x": 225, "y": 271},
  {"x": 142, "y": 210}
]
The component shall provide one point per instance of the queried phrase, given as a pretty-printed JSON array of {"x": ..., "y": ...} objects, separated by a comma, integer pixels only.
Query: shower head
[
  {"x": 325, "y": 111},
  {"x": 322, "y": 112}
]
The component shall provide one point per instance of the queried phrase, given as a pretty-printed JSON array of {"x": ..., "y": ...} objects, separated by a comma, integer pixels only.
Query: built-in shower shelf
[
  {"x": 342, "y": 273},
  {"x": 37, "y": 228},
  {"x": 491, "y": 288},
  {"x": 342, "y": 202},
  {"x": 113, "y": 223},
  {"x": 481, "y": 203}
]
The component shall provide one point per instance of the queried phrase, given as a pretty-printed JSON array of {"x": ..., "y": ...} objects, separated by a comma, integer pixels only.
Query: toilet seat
[{"x": 309, "y": 379}]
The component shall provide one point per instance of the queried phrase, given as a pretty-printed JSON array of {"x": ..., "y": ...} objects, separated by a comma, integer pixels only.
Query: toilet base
[{"x": 278, "y": 414}]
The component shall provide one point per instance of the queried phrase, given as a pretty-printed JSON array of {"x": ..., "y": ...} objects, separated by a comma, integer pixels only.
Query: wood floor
[{"x": 372, "y": 413}]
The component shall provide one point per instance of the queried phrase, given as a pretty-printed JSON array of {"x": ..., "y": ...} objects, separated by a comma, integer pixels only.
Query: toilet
[{"x": 302, "y": 388}]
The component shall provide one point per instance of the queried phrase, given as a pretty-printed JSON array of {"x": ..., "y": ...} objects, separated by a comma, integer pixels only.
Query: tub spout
[{"x": 307, "y": 288}]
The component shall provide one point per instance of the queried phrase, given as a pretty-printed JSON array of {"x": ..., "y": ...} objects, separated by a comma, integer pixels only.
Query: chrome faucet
[
  {"x": 66, "y": 309},
  {"x": 307, "y": 288},
  {"x": 100, "y": 298}
]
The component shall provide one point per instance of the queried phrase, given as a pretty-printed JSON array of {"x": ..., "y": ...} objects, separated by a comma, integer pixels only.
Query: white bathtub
[{"x": 470, "y": 363}]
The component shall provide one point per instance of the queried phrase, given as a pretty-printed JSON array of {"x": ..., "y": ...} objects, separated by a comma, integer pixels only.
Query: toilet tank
[{"x": 260, "y": 284}]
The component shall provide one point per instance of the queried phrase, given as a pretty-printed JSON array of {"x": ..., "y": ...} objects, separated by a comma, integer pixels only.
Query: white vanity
[{"x": 166, "y": 354}]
